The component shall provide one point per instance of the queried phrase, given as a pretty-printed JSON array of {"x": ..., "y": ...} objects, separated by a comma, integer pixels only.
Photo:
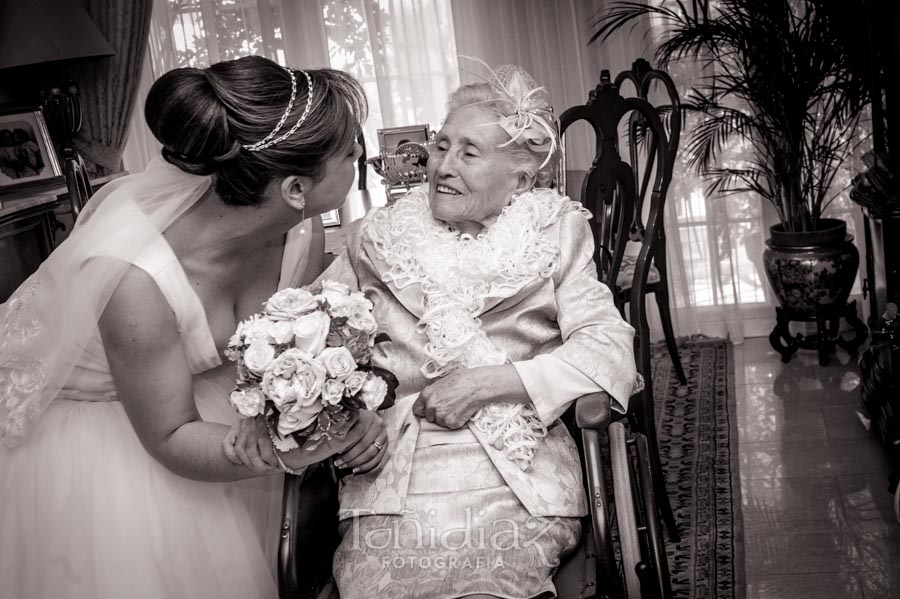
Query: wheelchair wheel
[
  {"x": 642, "y": 548},
  {"x": 626, "y": 517}
]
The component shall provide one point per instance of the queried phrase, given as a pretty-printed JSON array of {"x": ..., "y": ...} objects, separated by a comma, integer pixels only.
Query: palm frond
[
  {"x": 619, "y": 14},
  {"x": 712, "y": 133},
  {"x": 787, "y": 76}
]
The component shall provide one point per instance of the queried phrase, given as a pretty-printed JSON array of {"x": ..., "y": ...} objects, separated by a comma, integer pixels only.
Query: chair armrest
[
  {"x": 309, "y": 532},
  {"x": 592, "y": 411}
]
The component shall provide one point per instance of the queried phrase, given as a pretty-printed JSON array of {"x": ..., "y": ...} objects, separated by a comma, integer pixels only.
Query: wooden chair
[
  {"x": 611, "y": 192},
  {"x": 643, "y": 153},
  {"x": 642, "y": 76}
]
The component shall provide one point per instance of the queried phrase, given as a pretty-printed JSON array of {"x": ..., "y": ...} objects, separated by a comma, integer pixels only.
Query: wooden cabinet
[
  {"x": 31, "y": 224},
  {"x": 26, "y": 239}
]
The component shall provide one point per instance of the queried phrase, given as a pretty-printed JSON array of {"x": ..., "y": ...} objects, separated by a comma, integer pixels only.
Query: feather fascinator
[{"x": 531, "y": 121}]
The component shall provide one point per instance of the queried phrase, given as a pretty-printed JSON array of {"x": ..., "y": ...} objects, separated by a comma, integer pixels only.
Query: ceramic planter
[
  {"x": 812, "y": 269},
  {"x": 812, "y": 274}
]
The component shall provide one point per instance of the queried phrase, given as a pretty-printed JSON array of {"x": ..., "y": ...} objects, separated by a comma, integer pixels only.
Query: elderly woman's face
[{"x": 471, "y": 179}]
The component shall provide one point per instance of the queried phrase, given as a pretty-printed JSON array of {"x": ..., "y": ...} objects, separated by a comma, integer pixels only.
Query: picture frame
[
  {"x": 332, "y": 218},
  {"x": 27, "y": 156},
  {"x": 391, "y": 137}
]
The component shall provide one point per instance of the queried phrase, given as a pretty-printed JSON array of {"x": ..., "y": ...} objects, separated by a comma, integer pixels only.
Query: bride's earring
[
  {"x": 292, "y": 193},
  {"x": 301, "y": 204}
]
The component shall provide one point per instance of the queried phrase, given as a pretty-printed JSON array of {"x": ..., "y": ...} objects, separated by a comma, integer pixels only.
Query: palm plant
[{"x": 783, "y": 76}]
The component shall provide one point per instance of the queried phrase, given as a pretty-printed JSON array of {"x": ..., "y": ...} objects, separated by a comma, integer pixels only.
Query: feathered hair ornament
[{"x": 532, "y": 117}]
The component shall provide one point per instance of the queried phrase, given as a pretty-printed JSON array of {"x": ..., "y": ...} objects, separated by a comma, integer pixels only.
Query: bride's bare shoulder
[{"x": 137, "y": 314}]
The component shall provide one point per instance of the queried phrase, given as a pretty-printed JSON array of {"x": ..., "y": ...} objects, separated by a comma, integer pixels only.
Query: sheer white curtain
[
  {"x": 402, "y": 51},
  {"x": 715, "y": 246}
]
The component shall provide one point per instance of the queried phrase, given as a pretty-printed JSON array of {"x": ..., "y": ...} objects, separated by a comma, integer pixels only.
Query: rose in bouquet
[{"x": 304, "y": 363}]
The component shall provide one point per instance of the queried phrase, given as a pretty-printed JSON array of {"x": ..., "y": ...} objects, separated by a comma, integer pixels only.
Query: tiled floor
[{"x": 817, "y": 515}]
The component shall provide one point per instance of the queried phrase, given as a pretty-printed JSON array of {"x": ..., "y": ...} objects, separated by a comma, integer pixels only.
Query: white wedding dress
[{"x": 87, "y": 513}]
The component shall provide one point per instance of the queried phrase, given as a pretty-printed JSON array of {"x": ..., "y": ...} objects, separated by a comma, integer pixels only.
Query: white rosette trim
[{"x": 458, "y": 273}]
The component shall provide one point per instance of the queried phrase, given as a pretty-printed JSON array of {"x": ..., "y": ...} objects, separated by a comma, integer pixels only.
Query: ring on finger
[{"x": 378, "y": 445}]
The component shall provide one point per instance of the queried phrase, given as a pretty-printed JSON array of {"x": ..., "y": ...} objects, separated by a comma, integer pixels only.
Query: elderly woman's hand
[{"x": 452, "y": 400}]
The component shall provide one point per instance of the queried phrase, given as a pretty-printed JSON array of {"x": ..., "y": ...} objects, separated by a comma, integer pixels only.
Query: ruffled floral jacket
[{"x": 526, "y": 286}]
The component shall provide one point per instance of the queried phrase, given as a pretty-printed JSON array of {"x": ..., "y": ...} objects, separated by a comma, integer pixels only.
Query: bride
[{"x": 114, "y": 481}]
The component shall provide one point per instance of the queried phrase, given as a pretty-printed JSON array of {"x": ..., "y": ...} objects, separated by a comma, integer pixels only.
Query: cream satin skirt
[{"x": 463, "y": 532}]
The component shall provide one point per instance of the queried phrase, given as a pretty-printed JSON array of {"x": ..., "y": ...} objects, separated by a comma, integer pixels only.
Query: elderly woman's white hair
[{"x": 524, "y": 113}]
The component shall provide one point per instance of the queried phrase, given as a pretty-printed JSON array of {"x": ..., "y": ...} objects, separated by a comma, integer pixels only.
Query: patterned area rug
[{"x": 697, "y": 433}]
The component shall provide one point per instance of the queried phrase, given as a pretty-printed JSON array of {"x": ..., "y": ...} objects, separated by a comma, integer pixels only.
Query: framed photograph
[
  {"x": 390, "y": 138},
  {"x": 27, "y": 157},
  {"x": 331, "y": 218}
]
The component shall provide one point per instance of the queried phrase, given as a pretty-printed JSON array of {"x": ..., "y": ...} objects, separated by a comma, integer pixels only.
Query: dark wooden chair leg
[
  {"x": 665, "y": 315},
  {"x": 646, "y": 421}
]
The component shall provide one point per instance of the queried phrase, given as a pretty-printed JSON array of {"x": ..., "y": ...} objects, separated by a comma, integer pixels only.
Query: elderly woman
[{"x": 485, "y": 282}]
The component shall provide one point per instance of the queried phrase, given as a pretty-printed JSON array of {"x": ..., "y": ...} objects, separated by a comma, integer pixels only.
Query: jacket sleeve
[
  {"x": 596, "y": 339},
  {"x": 552, "y": 385}
]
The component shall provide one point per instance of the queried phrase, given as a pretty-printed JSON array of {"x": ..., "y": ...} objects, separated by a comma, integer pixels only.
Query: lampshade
[{"x": 40, "y": 31}]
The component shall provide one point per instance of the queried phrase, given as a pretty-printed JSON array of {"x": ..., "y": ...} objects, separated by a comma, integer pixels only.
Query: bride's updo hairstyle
[
  {"x": 207, "y": 118},
  {"x": 524, "y": 112}
]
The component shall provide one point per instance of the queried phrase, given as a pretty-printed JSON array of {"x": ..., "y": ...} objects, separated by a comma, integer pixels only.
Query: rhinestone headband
[{"x": 270, "y": 139}]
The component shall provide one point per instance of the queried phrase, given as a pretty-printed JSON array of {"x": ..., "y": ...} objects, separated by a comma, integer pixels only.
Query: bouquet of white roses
[{"x": 303, "y": 362}]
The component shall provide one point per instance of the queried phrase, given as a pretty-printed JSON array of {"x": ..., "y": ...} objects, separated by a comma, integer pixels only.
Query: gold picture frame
[
  {"x": 392, "y": 137},
  {"x": 27, "y": 156}
]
